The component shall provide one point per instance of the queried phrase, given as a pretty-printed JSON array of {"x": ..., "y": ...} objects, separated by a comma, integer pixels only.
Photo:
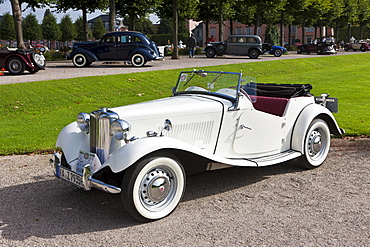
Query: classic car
[
  {"x": 243, "y": 45},
  {"x": 16, "y": 61},
  {"x": 275, "y": 50},
  {"x": 362, "y": 45},
  {"x": 131, "y": 47},
  {"x": 320, "y": 46},
  {"x": 212, "y": 120}
]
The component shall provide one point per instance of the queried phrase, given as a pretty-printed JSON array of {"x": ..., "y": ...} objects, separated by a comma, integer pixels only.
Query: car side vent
[{"x": 192, "y": 133}]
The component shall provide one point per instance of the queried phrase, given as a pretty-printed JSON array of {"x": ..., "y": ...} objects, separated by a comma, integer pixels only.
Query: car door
[
  {"x": 259, "y": 134},
  {"x": 107, "y": 48},
  {"x": 126, "y": 43},
  {"x": 245, "y": 44},
  {"x": 232, "y": 46}
]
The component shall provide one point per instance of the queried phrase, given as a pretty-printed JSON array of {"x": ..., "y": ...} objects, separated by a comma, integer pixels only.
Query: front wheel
[
  {"x": 138, "y": 60},
  {"x": 316, "y": 144},
  {"x": 254, "y": 54},
  {"x": 15, "y": 66},
  {"x": 210, "y": 53},
  {"x": 152, "y": 188},
  {"x": 80, "y": 60}
]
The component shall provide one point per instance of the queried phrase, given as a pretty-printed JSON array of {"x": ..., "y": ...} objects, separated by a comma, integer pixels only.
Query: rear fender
[
  {"x": 89, "y": 55},
  {"x": 308, "y": 114},
  {"x": 26, "y": 58}
]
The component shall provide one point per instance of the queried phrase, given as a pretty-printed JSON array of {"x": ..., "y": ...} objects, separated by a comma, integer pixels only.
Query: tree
[
  {"x": 79, "y": 25},
  {"x": 98, "y": 29},
  {"x": 177, "y": 10},
  {"x": 86, "y": 6},
  {"x": 31, "y": 28},
  {"x": 272, "y": 35},
  {"x": 135, "y": 10},
  {"x": 68, "y": 30},
  {"x": 7, "y": 27},
  {"x": 17, "y": 15},
  {"x": 50, "y": 28}
]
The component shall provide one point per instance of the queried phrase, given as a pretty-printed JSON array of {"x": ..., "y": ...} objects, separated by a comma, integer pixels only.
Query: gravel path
[{"x": 282, "y": 205}]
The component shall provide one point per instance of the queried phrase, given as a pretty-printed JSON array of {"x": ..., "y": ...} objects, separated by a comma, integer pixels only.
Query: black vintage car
[
  {"x": 16, "y": 61},
  {"x": 132, "y": 47},
  {"x": 244, "y": 45}
]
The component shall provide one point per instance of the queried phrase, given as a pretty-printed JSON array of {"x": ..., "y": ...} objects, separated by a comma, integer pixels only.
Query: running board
[{"x": 276, "y": 158}]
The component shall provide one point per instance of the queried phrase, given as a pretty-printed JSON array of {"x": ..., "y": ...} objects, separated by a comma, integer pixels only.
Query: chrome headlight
[
  {"x": 120, "y": 129},
  {"x": 83, "y": 121}
]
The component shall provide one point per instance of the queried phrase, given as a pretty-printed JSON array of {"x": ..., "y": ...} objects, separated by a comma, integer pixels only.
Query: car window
[
  {"x": 136, "y": 39},
  {"x": 124, "y": 39},
  {"x": 251, "y": 40},
  {"x": 232, "y": 40},
  {"x": 109, "y": 39}
]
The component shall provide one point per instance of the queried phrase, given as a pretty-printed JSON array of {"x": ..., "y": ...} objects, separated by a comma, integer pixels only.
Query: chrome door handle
[{"x": 244, "y": 127}]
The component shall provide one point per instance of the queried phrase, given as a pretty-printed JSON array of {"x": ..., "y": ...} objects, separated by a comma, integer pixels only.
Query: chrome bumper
[{"x": 87, "y": 181}]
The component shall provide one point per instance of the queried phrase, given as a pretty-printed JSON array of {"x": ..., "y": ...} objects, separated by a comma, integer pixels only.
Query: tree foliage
[
  {"x": 31, "y": 28},
  {"x": 68, "y": 30},
  {"x": 50, "y": 28},
  {"x": 7, "y": 28},
  {"x": 98, "y": 29}
]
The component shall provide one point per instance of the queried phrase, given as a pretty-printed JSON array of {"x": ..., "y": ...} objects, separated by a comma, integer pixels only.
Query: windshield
[{"x": 209, "y": 82}]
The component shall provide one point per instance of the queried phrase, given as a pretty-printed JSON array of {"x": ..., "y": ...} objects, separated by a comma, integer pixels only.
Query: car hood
[{"x": 184, "y": 111}]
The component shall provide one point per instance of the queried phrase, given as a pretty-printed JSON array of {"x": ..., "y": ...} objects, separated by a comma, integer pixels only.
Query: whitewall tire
[
  {"x": 153, "y": 187},
  {"x": 316, "y": 144}
]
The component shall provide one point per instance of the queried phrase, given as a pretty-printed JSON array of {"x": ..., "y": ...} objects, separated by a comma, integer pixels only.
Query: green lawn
[{"x": 32, "y": 114}]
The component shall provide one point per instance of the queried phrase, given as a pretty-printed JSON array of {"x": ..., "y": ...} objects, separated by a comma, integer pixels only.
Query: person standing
[{"x": 191, "y": 44}]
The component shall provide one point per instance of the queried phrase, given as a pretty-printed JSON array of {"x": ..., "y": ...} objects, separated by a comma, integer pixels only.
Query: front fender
[
  {"x": 145, "y": 52},
  {"x": 308, "y": 114},
  {"x": 128, "y": 154},
  {"x": 91, "y": 57},
  {"x": 71, "y": 139}
]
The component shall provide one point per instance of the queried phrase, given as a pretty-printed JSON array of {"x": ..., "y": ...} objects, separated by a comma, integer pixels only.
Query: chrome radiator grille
[{"x": 100, "y": 137}]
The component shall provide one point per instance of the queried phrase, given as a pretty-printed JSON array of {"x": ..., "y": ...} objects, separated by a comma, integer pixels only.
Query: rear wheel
[
  {"x": 362, "y": 49},
  {"x": 153, "y": 187},
  {"x": 278, "y": 52},
  {"x": 316, "y": 144},
  {"x": 299, "y": 50},
  {"x": 80, "y": 60},
  {"x": 254, "y": 53},
  {"x": 15, "y": 66}
]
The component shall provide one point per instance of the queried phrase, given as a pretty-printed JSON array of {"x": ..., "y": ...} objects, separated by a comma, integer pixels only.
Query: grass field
[{"x": 32, "y": 114}]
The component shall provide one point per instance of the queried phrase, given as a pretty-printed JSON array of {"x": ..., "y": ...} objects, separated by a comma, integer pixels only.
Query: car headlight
[
  {"x": 83, "y": 121},
  {"x": 120, "y": 129}
]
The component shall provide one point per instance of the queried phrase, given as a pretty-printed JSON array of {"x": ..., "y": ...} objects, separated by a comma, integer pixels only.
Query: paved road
[
  {"x": 65, "y": 69},
  {"x": 281, "y": 205}
]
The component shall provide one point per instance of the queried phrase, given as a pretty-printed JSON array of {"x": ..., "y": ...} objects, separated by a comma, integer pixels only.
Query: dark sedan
[{"x": 131, "y": 47}]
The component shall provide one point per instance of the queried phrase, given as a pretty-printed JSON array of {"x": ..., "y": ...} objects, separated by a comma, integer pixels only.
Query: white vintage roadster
[{"x": 212, "y": 120}]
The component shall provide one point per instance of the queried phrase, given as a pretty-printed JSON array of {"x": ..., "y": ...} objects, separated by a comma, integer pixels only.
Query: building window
[
  {"x": 293, "y": 29},
  {"x": 213, "y": 31},
  {"x": 309, "y": 29},
  {"x": 258, "y": 31},
  {"x": 248, "y": 30},
  {"x": 239, "y": 30}
]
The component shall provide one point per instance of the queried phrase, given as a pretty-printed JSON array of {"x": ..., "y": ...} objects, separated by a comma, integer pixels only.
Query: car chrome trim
[{"x": 87, "y": 180}]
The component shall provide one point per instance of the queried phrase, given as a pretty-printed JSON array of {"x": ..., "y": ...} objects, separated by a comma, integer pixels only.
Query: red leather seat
[{"x": 272, "y": 105}]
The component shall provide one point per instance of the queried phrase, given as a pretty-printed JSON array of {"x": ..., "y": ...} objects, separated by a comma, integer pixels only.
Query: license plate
[{"x": 70, "y": 176}]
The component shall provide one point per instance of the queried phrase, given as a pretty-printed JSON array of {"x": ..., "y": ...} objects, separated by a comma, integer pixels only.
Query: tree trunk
[
  {"x": 289, "y": 36},
  {"x": 112, "y": 15},
  {"x": 349, "y": 32},
  {"x": 303, "y": 24},
  {"x": 84, "y": 19},
  {"x": 231, "y": 27},
  {"x": 17, "y": 16},
  {"x": 282, "y": 34},
  {"x": 221, "y": 24},
  {"x": 256, "y": 23},
  {"x": 175, "y": 20}
]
